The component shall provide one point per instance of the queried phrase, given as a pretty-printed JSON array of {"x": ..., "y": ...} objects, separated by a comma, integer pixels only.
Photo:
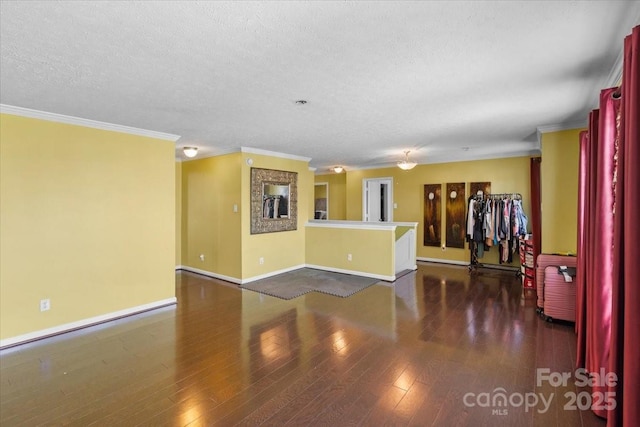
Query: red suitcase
[
  {"x": 543, "y": 261},
  {"x": 559, "y": 296}
]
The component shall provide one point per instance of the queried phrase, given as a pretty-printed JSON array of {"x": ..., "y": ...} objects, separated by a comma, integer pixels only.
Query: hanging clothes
[
  {"x": 266, "y": 209},
  {"x": 498, "y": 220},
  {"x": 488, "y": 223},
  {"x": 470, "y": 218},
  {"x": 276, "y": 203}
]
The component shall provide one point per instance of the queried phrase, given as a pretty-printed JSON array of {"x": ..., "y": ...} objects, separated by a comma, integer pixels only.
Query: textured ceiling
[{"x": 379, "y": 77}]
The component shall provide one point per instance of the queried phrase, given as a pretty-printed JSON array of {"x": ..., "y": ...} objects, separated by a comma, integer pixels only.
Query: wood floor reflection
[{"x": 426, "y": 350}]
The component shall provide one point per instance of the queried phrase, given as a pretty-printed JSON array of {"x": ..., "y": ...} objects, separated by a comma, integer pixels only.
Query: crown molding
[
  {"x": 562, "y": 126},
  {"x": 202, "y": 154},
  {"x": 205, "y": 155},
  {"x": 614, "y": 79},
  {"x": 615, "y": 76},
  {"x": 273, "y": 154},
  {"x": 557, "y": 128},
  {"x": 70, "y": 120}
]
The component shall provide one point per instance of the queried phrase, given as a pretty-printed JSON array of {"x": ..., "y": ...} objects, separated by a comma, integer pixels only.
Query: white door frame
[
  {"x": 389, "y": 197},
  {"x": 326, "y": 185}
]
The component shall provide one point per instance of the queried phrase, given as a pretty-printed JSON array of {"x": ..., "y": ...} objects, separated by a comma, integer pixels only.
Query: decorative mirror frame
[{"x": 260, "y": 177}]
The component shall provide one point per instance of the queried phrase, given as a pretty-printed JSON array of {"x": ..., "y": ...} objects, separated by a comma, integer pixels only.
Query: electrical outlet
[
  {"x": 349, "y": 257},
  {"x": 261, "y": 260},
  {"x": 201, "y": 257},
  {"x": 45, "y": 304}
]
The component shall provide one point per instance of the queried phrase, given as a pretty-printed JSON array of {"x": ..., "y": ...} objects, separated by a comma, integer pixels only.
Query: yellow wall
[
  {"x": 87, "y": 219},
  {"x": 321, "y": 192},
  {"x": 337, "y": 194},
  {"x": 505, "y": 175},
  {"x": 178, "y": 186},
  {"x": 372, "y": 250},
  {"x": 210, "y": 227},
  {"x": 281, "y": 250},
  {"x": 559, "y": 188}
]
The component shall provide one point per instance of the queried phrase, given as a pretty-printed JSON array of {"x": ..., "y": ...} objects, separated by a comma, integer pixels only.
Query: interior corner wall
[
  {"x": 211, "y": 230},
  {"x": 87, "y": 220},
  {"x": 559, "y": 190},
  {"x": 337, "y": 194},
  {"x": 178, "y": 187},
  {"x": 506, "y": 175},
  {"x": 281, "y": 250}
]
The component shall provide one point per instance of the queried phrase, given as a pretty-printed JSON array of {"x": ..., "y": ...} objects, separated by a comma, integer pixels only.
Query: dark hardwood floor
[{"x": 434, "y": 348}]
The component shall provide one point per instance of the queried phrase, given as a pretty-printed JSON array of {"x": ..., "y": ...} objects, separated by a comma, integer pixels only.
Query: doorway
[
  {"x": 377, "y": 200},
  {"x": 321, "y": 200}
]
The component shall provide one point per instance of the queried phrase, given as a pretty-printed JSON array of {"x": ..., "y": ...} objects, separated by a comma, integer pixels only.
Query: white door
[{"x": 377, "y": 199}]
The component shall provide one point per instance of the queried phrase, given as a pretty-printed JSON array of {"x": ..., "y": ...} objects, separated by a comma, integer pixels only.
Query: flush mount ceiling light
[
  {"x": 190, "y": 151},
  {"x": 406, "y": 164},
  {"x": 338, "y": 169}
]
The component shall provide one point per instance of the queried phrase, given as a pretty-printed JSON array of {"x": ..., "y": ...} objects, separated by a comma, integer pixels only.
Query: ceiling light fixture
[
  {"x": 406, "y": 164},
  {"x": 190, "y": 151},
  {"x": 338, "y": 169}
]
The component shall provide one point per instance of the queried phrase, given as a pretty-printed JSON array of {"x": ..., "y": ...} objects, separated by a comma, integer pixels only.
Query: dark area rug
[{"x": 299, "y": 282}]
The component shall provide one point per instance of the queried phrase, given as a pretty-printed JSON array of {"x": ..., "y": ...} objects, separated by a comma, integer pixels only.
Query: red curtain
[
  {"x": 595, "y": 251},
  {"x": 536, "y": 216},
  {"x": 600, "y": 261},
  {"x": 608, "y": 279},
  {"x": 586, "y": 315},
  {"x": 583, "y": 236},
  {"x": 625, "y": 320}
]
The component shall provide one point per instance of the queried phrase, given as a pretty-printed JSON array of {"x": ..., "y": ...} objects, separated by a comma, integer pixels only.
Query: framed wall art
[
  {"x": 432, "y": 214},
  {"x": 479, "y": 188},
  {"x": 456, "y": 204},
  {"x": 274, "y": 200}
]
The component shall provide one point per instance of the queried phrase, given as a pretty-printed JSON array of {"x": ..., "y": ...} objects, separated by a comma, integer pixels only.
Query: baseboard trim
[
  {"x": 466, "y": 264},
  {"x": 272, "y": 273},
  {"x": 286, "y": 270},
  {"x": 354, "y": 272},
  {"x": 442, "y": 261},
  {"x": 80, "y": 324},
  {"x": 235, "y": 280},
  {"x": 210, "y": 274}
]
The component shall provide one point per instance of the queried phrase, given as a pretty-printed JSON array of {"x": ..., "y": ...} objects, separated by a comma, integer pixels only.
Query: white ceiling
[{"x": 379, "y": 77}]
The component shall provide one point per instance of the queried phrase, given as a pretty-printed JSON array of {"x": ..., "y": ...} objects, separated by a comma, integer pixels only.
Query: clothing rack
[
  {"x": 480, "y": 200},
  {"x": 493, "y": 196},
  {"x": 514, "y": 196}
]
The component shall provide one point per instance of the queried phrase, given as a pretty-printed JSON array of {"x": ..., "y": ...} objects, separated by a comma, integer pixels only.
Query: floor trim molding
[
  {"x": 354, "y": 272},
  {"x": 443, "y": 261},
  {"x": 68, "y": 327},
  {"x": 209, "y": 274},
  {"x": 272, "y": 273},
  {"x": 235, "y": 280},
  {"x": 285, "y": 270}
]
